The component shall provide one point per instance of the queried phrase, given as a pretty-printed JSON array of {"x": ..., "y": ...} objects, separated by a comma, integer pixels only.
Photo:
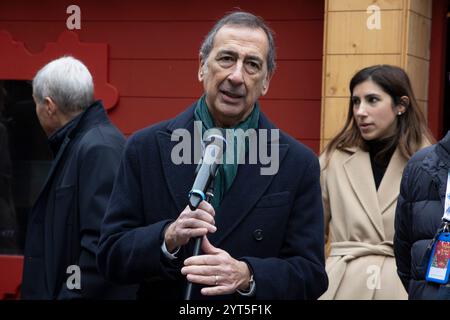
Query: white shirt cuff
[
  {"x": 250, "y": 292},
  {"x": 170, "y": 256}
]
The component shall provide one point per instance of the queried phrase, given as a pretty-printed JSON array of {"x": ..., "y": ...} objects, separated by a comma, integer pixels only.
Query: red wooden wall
[
  {"x": 437, "y": 75},
  {"x": 153, "y": 53}
]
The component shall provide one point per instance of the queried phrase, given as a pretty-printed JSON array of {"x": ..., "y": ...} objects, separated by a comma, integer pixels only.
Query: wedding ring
[{"x": 217, "y": 280}]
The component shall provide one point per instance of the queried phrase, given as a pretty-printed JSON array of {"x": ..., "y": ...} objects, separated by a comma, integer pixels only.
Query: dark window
[{"x": 25, "y": 160}]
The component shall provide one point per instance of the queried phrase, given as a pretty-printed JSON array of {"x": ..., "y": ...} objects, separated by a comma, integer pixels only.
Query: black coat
[
  {"x": 8, "y": 222},
  {"x": 273, "y": 222},
  {"x": 418, "y": 216},
  {"x": 64, "y": 224}
]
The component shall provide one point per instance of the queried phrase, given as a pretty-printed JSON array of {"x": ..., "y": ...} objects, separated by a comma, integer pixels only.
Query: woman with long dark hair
[{"x": 361, "y": 172}]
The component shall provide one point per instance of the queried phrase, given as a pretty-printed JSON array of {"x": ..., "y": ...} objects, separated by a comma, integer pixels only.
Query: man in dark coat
[
  {"x": 418, "y": 217},
  {"x": 262, "y": 233},
  {"x": 64, "y": 225}
]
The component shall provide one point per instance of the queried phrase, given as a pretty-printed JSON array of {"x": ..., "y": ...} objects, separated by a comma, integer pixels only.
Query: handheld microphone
[
  {"x": 204, "y": 181},
  {"x": 215, "y": 145}
]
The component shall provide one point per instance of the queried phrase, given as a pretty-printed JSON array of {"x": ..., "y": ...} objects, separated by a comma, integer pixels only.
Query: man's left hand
[{"x": 218, "y": 270}]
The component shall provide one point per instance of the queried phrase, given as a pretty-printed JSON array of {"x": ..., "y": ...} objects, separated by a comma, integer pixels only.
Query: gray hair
[
  {"x": 67, "y": 82},
  {"x": 245, "y": 19}
]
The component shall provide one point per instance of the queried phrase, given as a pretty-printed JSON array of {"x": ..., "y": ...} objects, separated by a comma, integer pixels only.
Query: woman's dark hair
[{"x": 412, "y": 131}]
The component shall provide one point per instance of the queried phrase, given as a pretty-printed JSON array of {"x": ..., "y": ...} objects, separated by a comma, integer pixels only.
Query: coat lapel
[
  {"x": 47, "y": 217},
  {"x": 92, "y": 115},
  {"x": 359, "y": 172},
  {"x": 389, "y": 188},
  {"x": 247, "y": 189},
  {"x": 180, "y": 177},
  {"x": 52, "y": 171}
]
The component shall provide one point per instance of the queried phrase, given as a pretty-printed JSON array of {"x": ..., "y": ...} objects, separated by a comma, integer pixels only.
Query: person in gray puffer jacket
[{"x": 418, "y": 217}]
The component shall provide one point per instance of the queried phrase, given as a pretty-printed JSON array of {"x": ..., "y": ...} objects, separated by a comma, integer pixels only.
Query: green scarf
[{"x": 226, "y": 172}]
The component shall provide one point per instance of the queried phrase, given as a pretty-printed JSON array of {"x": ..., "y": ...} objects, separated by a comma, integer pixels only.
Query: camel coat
[{"x": 360, "y": 222}]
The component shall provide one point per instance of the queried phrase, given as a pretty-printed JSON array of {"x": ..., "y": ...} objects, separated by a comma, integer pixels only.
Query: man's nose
[{"x": 237, "y": 74}]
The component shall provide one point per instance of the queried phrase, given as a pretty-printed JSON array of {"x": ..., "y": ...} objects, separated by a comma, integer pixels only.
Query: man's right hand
[{"x": 190, "y": 224}]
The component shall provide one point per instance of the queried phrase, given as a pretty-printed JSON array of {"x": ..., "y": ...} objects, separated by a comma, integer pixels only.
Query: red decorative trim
[
  {"x": 10, "y": 276},
  {"x": 17, "y": 63}
]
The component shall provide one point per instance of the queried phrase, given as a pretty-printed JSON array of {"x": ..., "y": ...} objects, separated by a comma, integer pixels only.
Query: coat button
[{"x": 258, "y": 234}]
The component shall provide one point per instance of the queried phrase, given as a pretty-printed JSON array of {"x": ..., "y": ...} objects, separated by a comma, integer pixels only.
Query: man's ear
[
  {"x": 50, "y": 106},
  {"x": 201, "y": 67},
  {"x": 266, "y": 82}
]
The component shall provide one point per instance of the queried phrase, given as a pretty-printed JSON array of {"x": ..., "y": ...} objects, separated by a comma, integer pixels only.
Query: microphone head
[
  {"x": 215, "y": 136},
  {"x": 215, "y": 145}
]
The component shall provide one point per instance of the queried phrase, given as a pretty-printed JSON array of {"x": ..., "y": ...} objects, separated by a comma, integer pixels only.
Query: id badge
[{"x": 438, "y": 268}]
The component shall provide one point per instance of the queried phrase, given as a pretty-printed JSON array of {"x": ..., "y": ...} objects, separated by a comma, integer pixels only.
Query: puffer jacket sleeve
[{"x": 403, "y": 225}]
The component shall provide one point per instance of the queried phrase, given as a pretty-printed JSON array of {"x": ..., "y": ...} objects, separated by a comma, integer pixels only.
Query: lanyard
[
  {"x": 446, "y": 216},
  {"x": 445, "y": 225}
]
